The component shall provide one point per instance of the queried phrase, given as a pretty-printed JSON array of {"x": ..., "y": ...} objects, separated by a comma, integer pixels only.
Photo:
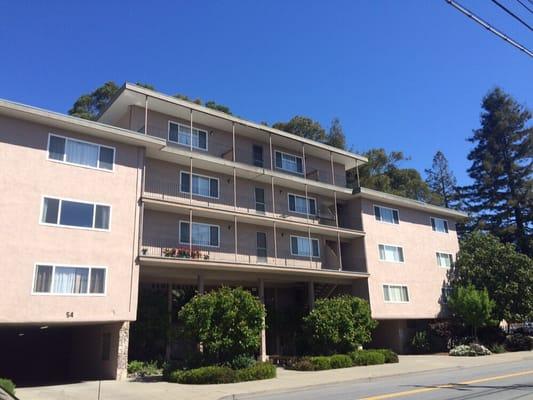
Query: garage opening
[{"x": 45, "y": 355}]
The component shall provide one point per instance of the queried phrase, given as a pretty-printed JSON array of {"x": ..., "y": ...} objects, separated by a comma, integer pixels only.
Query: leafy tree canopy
[
  {"x": 304, "y": 127},
  {"x": 471, "y": 305},
  {"x": 89, "y": 105},
  {"x": 485, "y": 262},
  {"x": 441, "y": 181}
]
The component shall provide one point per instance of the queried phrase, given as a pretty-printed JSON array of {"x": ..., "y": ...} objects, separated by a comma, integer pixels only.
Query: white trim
[
  {"x": 389, "y": 208},
  {"x": 50, "y": 134},
  {"x": 61, "y": 199},
  {"x": 307, "y": 206},
  {"x": 310, "y": 247},
  {"x": 189, "y": 127},
  {"x": 396, "y": 285},
  {"x": 54, "y": 265},
  {"x": 190, "y": 234},
  {"x": 392, "y": 245},
  {"x": 444, "y": 252},
  {"x": 442, "y": 219},
  {"x": 202, "y": 176},
  {"x": 288, "y": 154}
]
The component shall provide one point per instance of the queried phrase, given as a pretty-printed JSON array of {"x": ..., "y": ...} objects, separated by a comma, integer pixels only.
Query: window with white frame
[
  {"x": 439, "y": 225},
  {"x": 444, "y": 260},
  {"x": 303, "y": 246},
  {"x": 60, "y": 279},
  {"x": 181, "y": 134},
  {"x": 289, "y": 162},
  {"x": 385, "y": 214},
  {"x": 391, "y": 253},
  {"x": 204, "y": 186},
  {"x": 75, "y": 214},
  {"x": 301, "y": 205},
  {"x": 395, "y": 293},
  {"x": 80, "y": 152},
  {"x": 202, "y": 234}
]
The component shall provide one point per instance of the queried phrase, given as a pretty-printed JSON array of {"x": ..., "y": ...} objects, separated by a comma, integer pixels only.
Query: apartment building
[{"x": 161, "y": 194}]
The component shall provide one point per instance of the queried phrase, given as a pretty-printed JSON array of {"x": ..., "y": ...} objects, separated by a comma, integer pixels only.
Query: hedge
[
  {"x": 518, "y": 342},
  {"x": 390, "y": 356},
  {"x": 7, "y": 385},
  {"x": 219, "y": 374},
  {"x": 367, "y": 357},
  {"x": 356, "y": 358}
]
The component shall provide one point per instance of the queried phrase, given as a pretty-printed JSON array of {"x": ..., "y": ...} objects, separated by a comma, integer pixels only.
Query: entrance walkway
[{"x": 286, "y": 380}]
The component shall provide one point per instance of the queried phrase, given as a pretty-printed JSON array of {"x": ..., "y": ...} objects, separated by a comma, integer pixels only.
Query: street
[{"x": 502, "y": 382}]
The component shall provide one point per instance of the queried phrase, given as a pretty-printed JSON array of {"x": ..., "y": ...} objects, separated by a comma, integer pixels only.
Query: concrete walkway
[{"x": 286, "y": 380}]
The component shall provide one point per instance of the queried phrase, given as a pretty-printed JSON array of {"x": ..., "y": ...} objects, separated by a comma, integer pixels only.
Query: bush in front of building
[
  {"x": 216, "y": 374},
  {"x": 7, "y": 385},
  {"x": 420, "y": 343},
  {"x": 143, "y": 368},
  {"x": 226, "y": 322},
  {"x": 353, "y": 359},
  {"x": 470, "y": 350},
  {"x": 367, "y": 357},
  {"x": 340, "y": 361},
  {"x": 338, "y": 325},
  {"x": 390, "y": 356},
  {"x": 518, "y": 342}
]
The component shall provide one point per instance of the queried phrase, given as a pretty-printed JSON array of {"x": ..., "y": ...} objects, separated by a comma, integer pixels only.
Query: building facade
[{"x": 162, "y": 194}]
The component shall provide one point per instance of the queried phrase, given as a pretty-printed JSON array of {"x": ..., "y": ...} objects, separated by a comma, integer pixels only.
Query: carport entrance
[{"x": 36, "y": 355}]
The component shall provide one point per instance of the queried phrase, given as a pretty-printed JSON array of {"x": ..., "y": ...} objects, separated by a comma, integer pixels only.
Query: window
[
  {"x": 390, "y": 253},
  {"x": 446, "y": 292},
  {"x": 395, "y": 294},
  {"x": 75, "y": 214},
  {"x": 289, "y": 162},
  {"x": 260, "y": 200},
  {"x": 202, "y": 234},
  {"x": 261, "y": 247},
  {"x": 439, "y": 225},
  {"x": 56, "y": 279},
  {"x": 204, "y": 186},
  {"x": 257, "y": 154},
  {"x": 385, "y": 214},
  {"x": 444, "y": 260},
  {"x": 79, "y": 152},
  {"x": 181, "y": 134},
  {"x": 298, "y": 204},
  {"x": 302, "y": 246}
]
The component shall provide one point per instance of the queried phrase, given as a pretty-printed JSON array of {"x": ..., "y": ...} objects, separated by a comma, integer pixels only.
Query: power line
[
  {"x": 486, "y": 25},
  {"x": 512, "y": 14},
  {"x": 526, "y": 7}
]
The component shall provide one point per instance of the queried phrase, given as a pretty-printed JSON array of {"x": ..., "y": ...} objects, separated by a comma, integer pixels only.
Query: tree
[
  {"x": 228, "y": 323},
  {"x": 473, "y": 306},
  {"x": 304, "y": 127},
  {"x": 485, "y": 262},
  {"x": 441, "y": 180},
  {"x": 502, "y": 169},
  {"x": 89, "y": 105},
  {"x": 219, "y": 107},
  {"x": 336, "y": 137},
  {"x": 383, "y": 173},
  {"x": 339, "y": 325},
  {"x": 187, "y": 98}
]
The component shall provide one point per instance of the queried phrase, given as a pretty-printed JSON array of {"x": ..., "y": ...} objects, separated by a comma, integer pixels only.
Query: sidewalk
[{"x": 286, "y": 380}]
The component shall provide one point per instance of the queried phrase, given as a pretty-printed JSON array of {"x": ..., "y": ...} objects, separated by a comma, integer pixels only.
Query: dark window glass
[
  {"x": 258, "y": 155},
  {"x": 184, "y": 232},
  {"x": 214, "y": 235},
  {"x": 202, "y": 140},
  {"x": 185, "y": 182},
  {"x": 76, "y": 214},
  {"x": 260, "y": 199},
  {"x": 312, "y": 206},
  {"x": 50, "y": 211},
  {"x": 395, "y": 216},
  {"x": 106, "y": 158},
  {"x": 213, "y": 187},
  {"x": 279, "y": 163},
  {"x": 56, "y": 149},
  {"x": 101, "y": 218},
  {"x": 43, "y": 279},
  {"x": 261, "y": 247},
  {"x": 377, "y": 213},
  {"x": 315, "y": 248},
  {"x": 97, "y": 280},
  {"x": 294, "y": 244}
]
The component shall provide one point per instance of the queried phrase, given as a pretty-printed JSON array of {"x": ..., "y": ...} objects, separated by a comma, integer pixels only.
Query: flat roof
[
  {"x": 130, "y": 94},
  {"x": 409, "y": 203}
]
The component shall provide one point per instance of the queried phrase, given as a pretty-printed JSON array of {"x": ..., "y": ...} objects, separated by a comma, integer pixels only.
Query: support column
[
  {"x": 168, "y": 346},
  {"x": 336, "y": 210},
  {"x": 122, "y": 351},
  {"x": 332, "y": 168},
  {"x": 357, "y": 171},
  {"x": 311, "y": 295},
  {"x": 235, "y": 223},
  {"x": 234, "y": 189},
  {"x": 275, "y": 245},
  {"x": 263, "y": 330},
  {"x": 200, "y": 284},
  {"x": 191, "y": 136},
  {"x": 190, "y": 180},
  {"x": 190, "y": 233},
  {"x": 146, "y": 115},
  {"x": 339, "y": 250},
  {"x": 271, "y": 153},
  {"x": 273, "y": 196}
]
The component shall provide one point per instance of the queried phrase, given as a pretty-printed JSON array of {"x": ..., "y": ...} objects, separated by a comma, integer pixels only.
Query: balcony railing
[{"x": 170, "y": 192}]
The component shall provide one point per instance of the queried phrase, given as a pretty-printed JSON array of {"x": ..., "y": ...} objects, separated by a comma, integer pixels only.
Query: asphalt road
[{"x": 501, "y": 382}]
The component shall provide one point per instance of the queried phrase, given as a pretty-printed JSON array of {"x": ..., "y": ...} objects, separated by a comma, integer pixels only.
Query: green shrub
[
  {"x": 490, "y": 335},
  {"x": 320, "y": 363},
  {"x": 390, "y": 356},
  {"x": 340, "y": 361},
  {"x": 420, "y": 342},
  {"x": 204, "y": 375},
  {"x": 338, "y": 325},
  {"x": 518, "y": 342},
  {"x": 260, "y": 370},
  {"x": 143, "y": 368},
  {"x": 241, "y": 362},
  {"x": 228, "y": 323},
  {"x": 367, "y": 357},
  {"x": 497, "y": 348},
  {"x": 470, "y": 350},
  {"x": 7, "y": 385}
]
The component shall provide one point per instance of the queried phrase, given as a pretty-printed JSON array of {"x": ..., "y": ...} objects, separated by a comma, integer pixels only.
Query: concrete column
[
  {"x": 311, "y": 294},
  {"x": 122, "y": 351},
  {"x": 263, "y": 331}
]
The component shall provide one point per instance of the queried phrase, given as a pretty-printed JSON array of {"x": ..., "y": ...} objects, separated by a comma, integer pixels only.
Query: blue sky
[{"x": 404, "y": 75}]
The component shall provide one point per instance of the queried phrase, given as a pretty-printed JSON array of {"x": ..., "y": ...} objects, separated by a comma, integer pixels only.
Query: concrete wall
[
  {"x": 27, "y": 175},
  {"x": 420, "y": 271}
]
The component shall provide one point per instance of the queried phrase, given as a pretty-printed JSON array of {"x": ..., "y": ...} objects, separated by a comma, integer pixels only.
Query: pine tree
[
  {"x": 500, "y": 197},
  {"x": 336, "y": 136},
  {"x": 441, "y": 180}
]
